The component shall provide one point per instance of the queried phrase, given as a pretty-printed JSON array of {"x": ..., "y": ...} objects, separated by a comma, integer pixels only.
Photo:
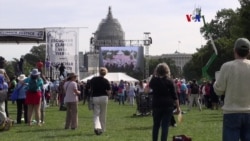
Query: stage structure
[
  {"x": 62, "y": 44},
  {"x": 116, "y": 44},
  {"x": 22, "y": 35},
  {"x": 62, "y": 47}
]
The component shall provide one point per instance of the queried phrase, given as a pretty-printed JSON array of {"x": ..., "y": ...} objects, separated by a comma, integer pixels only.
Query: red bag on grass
[{"x": 181, "y": 138}]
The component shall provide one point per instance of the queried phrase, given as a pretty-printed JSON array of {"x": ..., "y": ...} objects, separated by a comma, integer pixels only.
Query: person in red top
[
  {"x": 178, "y": 85},
  {"x": 39, "y": 66},
  {"x": 208, "y": 103}
]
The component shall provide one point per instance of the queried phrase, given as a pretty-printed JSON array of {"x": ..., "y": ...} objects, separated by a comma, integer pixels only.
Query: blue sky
[{"x": 164, "y": 19}]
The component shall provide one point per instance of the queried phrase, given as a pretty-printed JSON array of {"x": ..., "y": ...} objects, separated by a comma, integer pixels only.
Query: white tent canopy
[{"x": 115, "y": 77}]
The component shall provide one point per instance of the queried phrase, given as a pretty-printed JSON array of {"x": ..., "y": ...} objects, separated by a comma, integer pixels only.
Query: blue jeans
[
  {"x": 121, "y": 99},
  {"x": 161, "y": 118},
  {"x": 236, "y": 126},
  {"x": 183, "y": 98}
]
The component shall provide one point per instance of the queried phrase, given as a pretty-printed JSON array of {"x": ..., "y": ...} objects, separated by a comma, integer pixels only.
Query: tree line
[{"x": 30, "y": 59}]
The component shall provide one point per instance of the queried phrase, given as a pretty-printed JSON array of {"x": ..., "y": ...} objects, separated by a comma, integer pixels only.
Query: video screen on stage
[{"x": 122, "y": 59}]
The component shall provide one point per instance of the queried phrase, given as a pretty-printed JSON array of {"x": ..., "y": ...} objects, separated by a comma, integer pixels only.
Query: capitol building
[{"x": 110, "y": 33}]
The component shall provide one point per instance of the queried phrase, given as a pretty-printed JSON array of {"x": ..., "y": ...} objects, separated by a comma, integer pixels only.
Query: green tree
[
  {"x": 36, "y": 53},
  {"x": 11, "y": 67},
  {"x": 30, "y": 59},
  {"x": 244, "y": 20},
  {"x": 189, "y": 72},
  {"x": 224, "y": 25},
  {"x": 175, "y": 71}
]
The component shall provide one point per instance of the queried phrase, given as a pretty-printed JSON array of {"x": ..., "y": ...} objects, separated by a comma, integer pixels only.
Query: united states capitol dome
[{"x": 110, "y": 32}]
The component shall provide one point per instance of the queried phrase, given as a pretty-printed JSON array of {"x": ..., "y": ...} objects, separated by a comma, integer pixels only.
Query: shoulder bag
[
  {"x": 14, "y": 95},
  {"x": 3, "y": 95}
]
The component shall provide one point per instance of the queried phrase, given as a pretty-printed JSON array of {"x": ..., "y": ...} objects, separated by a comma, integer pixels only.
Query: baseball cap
[{"x": 242, "y": 44}]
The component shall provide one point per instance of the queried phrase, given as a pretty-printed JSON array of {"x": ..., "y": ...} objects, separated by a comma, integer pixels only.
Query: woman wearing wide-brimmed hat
[
  {"x": 33, "y": 97},
  {"x": 21, "y": 106},
  {"x": 71, "y": 101}
]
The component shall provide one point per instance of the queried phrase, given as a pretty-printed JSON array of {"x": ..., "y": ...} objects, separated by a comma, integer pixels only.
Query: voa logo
[{"x": 196, "y": 16}]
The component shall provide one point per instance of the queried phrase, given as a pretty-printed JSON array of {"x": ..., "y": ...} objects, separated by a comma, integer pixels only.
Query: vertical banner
[{"x": 62, "y": 45}]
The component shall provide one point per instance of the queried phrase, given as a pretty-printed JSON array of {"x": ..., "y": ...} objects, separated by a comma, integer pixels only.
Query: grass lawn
[{"x": 121, "y": 126}]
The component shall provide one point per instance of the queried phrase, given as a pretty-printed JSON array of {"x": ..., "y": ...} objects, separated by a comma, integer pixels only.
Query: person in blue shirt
[
  {"x": 183, "y": 92},
  {"x": 21, "y": 105}
]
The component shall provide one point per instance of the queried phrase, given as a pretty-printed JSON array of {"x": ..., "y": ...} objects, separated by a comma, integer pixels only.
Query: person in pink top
[
  {"x": 71, "y": 101},
  {"x": 39, "y": 66}
]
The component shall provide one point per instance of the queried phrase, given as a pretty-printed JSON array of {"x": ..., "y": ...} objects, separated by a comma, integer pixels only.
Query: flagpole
[{"x": 179, "y": 45}]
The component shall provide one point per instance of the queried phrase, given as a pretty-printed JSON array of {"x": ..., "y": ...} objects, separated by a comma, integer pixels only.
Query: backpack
[
  {"x": 33, "y": 86},
  {"x": 120, "y": 90},
  {"x": 181, "y": 138},
  {"x": 194, "y": 89}
]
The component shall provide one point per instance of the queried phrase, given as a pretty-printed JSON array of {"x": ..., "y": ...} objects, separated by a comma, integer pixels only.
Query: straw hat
[{"x": 21, "y": 77}]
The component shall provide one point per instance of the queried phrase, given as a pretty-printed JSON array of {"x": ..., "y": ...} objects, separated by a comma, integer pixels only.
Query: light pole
[
  {"x": 179, "y": 42},
  {"x": 147, "y": 43}
]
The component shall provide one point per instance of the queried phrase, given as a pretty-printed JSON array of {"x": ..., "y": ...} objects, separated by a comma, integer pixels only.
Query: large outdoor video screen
[{"x": 122, "y": 59}]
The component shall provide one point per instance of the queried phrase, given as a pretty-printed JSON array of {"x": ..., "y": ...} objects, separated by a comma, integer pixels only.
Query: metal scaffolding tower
[{"x": 147, "y": 43}]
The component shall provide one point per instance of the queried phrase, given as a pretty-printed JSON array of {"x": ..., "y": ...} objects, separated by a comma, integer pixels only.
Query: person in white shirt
[
  {"x": 233, "y": 82},
  {"x": 131, "y": 93}
]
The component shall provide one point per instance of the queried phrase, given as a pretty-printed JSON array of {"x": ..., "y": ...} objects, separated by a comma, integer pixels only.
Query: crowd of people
[
  {"x": 230, "y": 90},
  {"x": 201, "y": 94},
  {"x": 66, "y": 92}
]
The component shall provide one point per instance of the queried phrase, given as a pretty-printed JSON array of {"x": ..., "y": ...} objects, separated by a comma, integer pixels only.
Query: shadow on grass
[
  {"x": 212, "y": 114},
  {"x": 139, "y": 128},
  {"x": 211, "y": 120},
  {"x": 215, "y": 116},
  {"x": 69, "y": 135},
  {"x": 62, "y": 135},
  {"x": 138, "y": 116},
  {"x": 35, "y": 129}
]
